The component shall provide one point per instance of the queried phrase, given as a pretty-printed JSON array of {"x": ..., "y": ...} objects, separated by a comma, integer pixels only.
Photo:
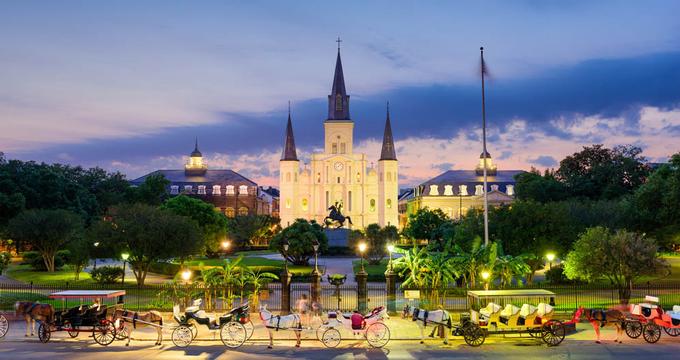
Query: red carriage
[{"x": 648, "y": 318}]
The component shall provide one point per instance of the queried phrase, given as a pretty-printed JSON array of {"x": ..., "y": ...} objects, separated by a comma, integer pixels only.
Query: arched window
[
  {"x": 287, "y": 177},
  {"x": 217, "y": 190},
  {"x": 389, "y": 176},
  {"x": 229, "y": 190},
  {"x": 434, "y": 190},
  {"x": 389, "y": 203},
  {"x": 230, "y": 212},
  {"x": 242, "y": 190},
  {"x": 243, "y": 211},
  {"x": 358, "y": 177},
  {"x": 371, "y": 206},
  {"x": 510, "y": 190},
  {"x": 304, "y": 204},
  {"x": 462, "y": 190},
  {"x": 448, "y": 190},
  {"x": 287, "y": 203},
  {"x": 343, "y": 148},
  {"x": 318, "y": 177},
  {"x": 334, "y": 148},
  {"x": 479, "y": 190},
  {"x": 174, "y": 190},
  {"x": 201, "y": 189}
]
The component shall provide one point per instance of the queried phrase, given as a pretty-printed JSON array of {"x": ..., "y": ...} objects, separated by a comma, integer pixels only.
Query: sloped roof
[
  {"x": 469, "y": 178},
  {"x": 210, "y": 177}
]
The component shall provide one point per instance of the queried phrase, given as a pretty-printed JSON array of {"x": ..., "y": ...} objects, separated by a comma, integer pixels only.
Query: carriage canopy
[{"x": 478, "y": 299}]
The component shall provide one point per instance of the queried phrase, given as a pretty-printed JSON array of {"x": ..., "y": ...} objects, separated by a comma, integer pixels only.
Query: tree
[
  {"x": 376, "y": 239},
  {"x": 300, "y": 236},
  {"x": 79, "y": 250},
  {"x": 46, "y": 231},
  {"x": 621, "y": 257},
  {"x": 426, "y": 224},
  {"x": 597, "y": 172},
  {"x": 532, "y": 186},
  {"x": 213, "y": 224},
  {"x": 252, "y": 229},
  {"x": 153, "y": 191},
  {"x": 148, "y": 234}
]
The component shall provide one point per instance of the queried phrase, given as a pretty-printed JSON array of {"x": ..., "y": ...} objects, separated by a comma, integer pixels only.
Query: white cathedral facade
[{"x": 367, "y": 194}]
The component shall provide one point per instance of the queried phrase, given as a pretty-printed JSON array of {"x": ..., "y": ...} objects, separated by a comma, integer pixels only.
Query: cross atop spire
[
  {"x": 388, "y": 152},
  {"x": 338, "y": 41},
  {"x": 196, "y": 152}
]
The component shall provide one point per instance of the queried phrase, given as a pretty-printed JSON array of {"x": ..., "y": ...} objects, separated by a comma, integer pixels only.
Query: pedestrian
[
  {"x": 358, "y": 322},
  {"x": 302, "y": 306},
  {"x": 316, "y": 312}
]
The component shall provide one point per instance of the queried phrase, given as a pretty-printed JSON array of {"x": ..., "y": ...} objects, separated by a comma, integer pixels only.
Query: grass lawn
[
  {"x": 258, "y": 263},
  {"x": 256, "y": 252},
  {"x": 674, "y": 262},
  {"x": 26, "y": 274},
  {"x": 374, "y": 271}
]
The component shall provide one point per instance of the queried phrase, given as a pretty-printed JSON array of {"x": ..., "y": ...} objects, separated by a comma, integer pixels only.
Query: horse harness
[
  {"x": 135, "y": 317},
  {"x": 445, "y": 320},
  {"x": 416, "y": 312},
  {"x": 598, "y": 315},
  {"x": 278, "y": 323}
]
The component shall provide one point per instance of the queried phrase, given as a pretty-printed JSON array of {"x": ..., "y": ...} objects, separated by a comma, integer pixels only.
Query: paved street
[{"x": 575, "y": 346}]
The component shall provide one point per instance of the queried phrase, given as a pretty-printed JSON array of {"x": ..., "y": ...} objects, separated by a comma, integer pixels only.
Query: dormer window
[
  {"x": 510, "y": 190},
  {"x": 174, "y": 190},
  {"x": 462, "y": 190},
  {"x": 188, "y": 189},
  {"x": 479, "y": 190},
  {"x": 201, "y": 189},
  {"x": 434, "y": 190},
  {"x": 243, "y": 190},
  {"x": 448, "y": 190},
  {"x": 217, "y": 190},
  {"x": 494, "y": 187},
  {"x": 229, "y": 190}
]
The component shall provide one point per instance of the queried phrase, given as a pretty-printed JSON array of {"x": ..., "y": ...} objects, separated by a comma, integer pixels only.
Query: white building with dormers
[{"x": 367, "y": 193}]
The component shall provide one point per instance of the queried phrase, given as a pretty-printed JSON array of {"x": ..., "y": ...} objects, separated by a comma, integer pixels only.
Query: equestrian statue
[{"x": 335, "y": 216}]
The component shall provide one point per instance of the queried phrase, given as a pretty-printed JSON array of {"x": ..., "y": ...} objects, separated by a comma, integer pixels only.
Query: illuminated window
[
  {"x": 510, "y": 190},
  {"x": 174, "y": 190},
  {"x": 358, "y": 177},
  {"x": 201, "y": 189},
  {"x": 217, "y": 190},
  {"x": 243, "y": 211},
  {"x": 462, "y": 190},
  {"x": 448, "y": 190},
  {"x": 434, "y": 190},
  {"x": 479, "y": 190},
  {"x": 371, "y": 207},
  {"x": 389, "y": 203},
  {"x": 188, "y": 189},
  {"x": 242, "y": 190},
  {"x": 287, "y": 203},
  {"x": 304, "y": 205},
  {"x": 494, "y": 187},
  {"x": 229, "y": 190},
  {"x": 230, "y": 212}
]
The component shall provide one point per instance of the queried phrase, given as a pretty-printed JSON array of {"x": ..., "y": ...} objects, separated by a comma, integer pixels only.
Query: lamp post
[
  {"x": 550, "y": 256},
  {"x": 315, "y": 245},
  {"x": 390, "y": 284},
  {"x": 285, "y": 245},
  {"x": 95, "y": 255},
  {"x": 362, "y": 249},
  {"x": 485, "y": 276},
  {"x": 316, "y": 277},
  {"x": 285, "y": 280},
  {"x": 186, "y": 275},
  {"x": 226, "y": 244},
  {"x": 390, "y": 249},
  {"x": 125, "y": 256}
]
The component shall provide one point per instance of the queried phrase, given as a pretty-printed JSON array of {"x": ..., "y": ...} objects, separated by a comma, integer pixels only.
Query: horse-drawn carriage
[
  {"x": 4, "y": 326},
  {"x": 235, "y": 326},
  {"x": 648, "y": 318},
  {"x": 82, "y": 318},
  {"x": 376, "y": 333}
]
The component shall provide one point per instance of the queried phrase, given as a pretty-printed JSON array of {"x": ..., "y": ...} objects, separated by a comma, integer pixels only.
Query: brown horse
[
  {"x": 139, "y": 319},
  {"x": 600, "y": 318},
  {"x": 31, "y": 312}
]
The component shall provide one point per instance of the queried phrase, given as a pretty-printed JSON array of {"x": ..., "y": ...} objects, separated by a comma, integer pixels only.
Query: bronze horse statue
[{"x": 335, "y": 215}]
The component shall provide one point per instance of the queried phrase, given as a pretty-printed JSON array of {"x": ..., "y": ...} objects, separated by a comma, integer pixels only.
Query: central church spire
[{"x": 338, "y": 100}]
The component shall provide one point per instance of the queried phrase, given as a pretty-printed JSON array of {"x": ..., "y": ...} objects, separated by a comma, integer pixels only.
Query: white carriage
[{"x": 372, "y": 328}]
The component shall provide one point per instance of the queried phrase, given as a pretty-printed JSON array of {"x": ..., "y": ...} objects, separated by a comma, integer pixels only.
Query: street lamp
[
  {"x": 315, "y": 245},
  {"x": 95, "y": 255},
  {"x": 186, "y": 275},
  {"x": 485, "y": 276},
  {"x": 362, "y": 249},
  {"x": 225, "y": 246},
  {"x": 550, "y": 257},
  {"x": 124, "y": 256},
  {"x": 285, "y": 245},
  {"x": 390, "y": 249}
]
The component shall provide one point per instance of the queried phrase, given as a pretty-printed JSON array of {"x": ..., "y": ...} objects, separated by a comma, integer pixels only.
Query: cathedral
[{"x": 366, "y": 194}]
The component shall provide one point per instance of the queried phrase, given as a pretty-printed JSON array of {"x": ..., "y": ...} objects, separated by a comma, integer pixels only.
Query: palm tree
[
  {"x": 412, "y": 266},
  {"x": 258, "y": 280}
]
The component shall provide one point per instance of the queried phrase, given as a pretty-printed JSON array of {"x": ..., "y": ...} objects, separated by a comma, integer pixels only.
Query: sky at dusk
[{"x": 128, "y": 85}]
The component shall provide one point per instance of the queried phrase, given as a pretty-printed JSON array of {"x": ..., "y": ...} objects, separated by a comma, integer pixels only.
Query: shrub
[
  {"x": 107, "y": 274},
  {"x": 38, "y": 264},
  {"x": 28, "y": 257},
  {"x": 165, "y": 268},
  {"x": 555, "y": 276},
  {"x": 4, "y": 261}
]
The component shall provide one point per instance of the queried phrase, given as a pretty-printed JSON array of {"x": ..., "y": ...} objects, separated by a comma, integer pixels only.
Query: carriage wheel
[
  {"x": 122, "y": 333},
  {"x": 194, "y": 330},
  {"x": 44, "y": 333},
  {"x": 651, "y": 333},
  {"x": 233, "y": 334},
  {"x": 670, "y": 331},
  {"x": 474, "y": 335},
  {"x": 104, "y": 333},
  {"x": 182, "y": 336},
  {"x": 553, "y": 332},
  {"x": 331, "y": 337},
  {"x": 319, "y": 332},
  {"x": 250, "y": 329},
  {"x": 633, "y": 328},
  {"x": 377, "y": 335},
  {"x": 4, "y": 326},
  {"x": 72, "y": 332}
]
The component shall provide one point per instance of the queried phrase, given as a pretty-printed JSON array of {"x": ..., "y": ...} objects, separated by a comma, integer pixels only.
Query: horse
[
  {"x": 336, "y": 215},
  {"x": 33, "y": 311},
  {"x": 285, "y": 322},
  {"x": 139, "y": 319},
  {"x": 600, "y": 318},
  {"x": 436, "y": 317}
]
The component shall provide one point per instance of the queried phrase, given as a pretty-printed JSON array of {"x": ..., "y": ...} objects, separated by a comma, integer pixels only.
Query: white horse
[
  {"x": 433, "y": 318},
  {"x": 280, "y": 322},
  {"x": 139, "y": 319}
]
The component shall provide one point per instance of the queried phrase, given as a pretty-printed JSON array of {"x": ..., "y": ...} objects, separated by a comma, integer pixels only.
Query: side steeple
[
  {"x": 289, "y": 153},
  {"x": 388, "y": 152},
  {"x": 338, "y": 100}
]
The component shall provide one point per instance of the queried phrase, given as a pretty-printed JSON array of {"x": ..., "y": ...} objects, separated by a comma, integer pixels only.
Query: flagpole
[{"x": 484, "y": 153}]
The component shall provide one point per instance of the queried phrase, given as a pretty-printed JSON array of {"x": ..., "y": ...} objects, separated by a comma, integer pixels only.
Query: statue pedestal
[{"x": 337, "y": 237}]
